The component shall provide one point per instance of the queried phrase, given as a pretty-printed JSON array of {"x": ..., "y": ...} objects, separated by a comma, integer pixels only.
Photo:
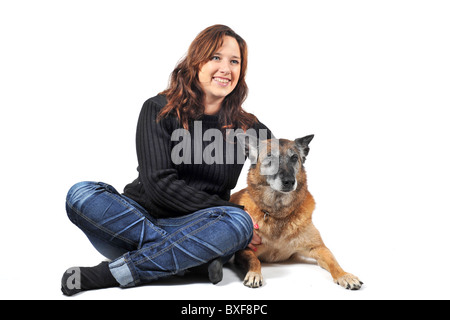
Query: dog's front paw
[
  {"x": 349, "y": 281},
  {"x": 253, "y": 280}
]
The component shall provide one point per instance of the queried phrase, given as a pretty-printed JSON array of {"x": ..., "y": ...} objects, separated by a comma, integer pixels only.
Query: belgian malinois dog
[{"x": 280, "y": 204}]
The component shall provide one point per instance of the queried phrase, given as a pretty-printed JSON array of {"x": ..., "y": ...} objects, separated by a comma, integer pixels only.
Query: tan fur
[{"x": 287, "y": 230}]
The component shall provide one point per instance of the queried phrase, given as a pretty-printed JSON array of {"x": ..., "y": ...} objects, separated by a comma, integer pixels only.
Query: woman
[{"x": 176, "y": 215}]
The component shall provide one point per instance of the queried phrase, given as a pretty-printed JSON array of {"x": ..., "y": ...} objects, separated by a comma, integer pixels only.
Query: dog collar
[{"x": 266, "y": 214}]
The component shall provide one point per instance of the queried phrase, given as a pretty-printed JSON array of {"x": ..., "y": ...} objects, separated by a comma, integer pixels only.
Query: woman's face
[{"x": 219, "y": 76}]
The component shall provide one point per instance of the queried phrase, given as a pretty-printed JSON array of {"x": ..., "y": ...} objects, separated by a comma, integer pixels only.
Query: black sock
[
  {"x": 79, "y": 279},
  {"x": 214, "y": 269}
]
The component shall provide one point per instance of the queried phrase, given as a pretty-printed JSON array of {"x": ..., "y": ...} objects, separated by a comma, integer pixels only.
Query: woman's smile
[{"x": 223, "y": 82}]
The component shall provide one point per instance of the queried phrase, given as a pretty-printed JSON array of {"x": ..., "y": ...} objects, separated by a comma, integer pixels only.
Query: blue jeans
[{"x": 142, "y": 248}]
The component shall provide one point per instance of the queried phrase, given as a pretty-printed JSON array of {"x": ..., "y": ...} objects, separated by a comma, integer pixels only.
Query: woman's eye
[
  {"x": 235, "y": 62},
  {"x": 215, "y": 58}
]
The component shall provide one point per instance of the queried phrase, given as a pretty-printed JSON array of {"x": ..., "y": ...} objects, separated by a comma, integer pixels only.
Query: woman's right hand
[{"x": 256, "y": 240}]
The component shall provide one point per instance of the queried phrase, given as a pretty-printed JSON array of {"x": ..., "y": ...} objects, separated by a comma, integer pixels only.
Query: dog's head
[{"x": 278, "y": 161}]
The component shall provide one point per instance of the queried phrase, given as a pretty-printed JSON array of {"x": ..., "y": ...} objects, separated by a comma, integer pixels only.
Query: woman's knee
[
  {"x": 241, "y": 222},
  {"x": 76, "y": 196}
]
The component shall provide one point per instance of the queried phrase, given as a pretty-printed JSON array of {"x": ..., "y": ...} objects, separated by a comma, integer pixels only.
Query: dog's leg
[
  {"x": 326, "y": 260},
  {"x": 247, "y": 260},
  {"x": 316, "y": 249}
]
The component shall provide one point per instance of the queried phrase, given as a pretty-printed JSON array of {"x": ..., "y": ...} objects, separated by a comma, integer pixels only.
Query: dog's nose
[{"x": 288, "y": 183}]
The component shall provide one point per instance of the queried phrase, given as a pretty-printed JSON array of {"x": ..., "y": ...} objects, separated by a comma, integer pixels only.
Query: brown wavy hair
[{"x": 185, "y": 98}]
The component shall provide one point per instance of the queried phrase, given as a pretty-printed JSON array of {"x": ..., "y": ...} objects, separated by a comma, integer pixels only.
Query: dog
[{"x": 281, "y": 207}]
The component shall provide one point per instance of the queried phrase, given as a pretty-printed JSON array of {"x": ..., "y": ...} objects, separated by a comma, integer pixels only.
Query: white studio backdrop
[{"x": 369, "y": 78}]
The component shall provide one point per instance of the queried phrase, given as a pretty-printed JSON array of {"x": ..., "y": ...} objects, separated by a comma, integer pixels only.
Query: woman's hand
[{"x": 256, "y": 238}]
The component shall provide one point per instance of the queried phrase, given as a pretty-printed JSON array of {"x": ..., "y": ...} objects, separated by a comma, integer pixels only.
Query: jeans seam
[
  {"x": 185, "y": 219},
  {"x": 98, "y": 226},
  {"x": 134, "y": 275},
  {"x": 136, "y": 212},
  {"x": 128, "y": 264}
]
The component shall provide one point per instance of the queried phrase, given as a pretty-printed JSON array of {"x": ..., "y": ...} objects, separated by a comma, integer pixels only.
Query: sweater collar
[{"x": 210, "y": 118}]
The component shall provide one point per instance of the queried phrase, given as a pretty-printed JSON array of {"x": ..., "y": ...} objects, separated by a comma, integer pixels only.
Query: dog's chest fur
[{"x": 281, "y": 237}]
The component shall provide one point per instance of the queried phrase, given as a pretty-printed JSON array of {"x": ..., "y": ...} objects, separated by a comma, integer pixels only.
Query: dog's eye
[
  {"x": 269, "y": 155},
  {"x": 294, "y": 158}
]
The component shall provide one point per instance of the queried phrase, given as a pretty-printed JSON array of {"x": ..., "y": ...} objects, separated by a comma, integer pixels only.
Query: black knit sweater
[{"x": 167, "y": 189}]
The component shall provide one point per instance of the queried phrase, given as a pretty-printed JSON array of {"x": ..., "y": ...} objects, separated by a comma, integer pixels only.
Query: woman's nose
[{"x": 225, "y": 68}]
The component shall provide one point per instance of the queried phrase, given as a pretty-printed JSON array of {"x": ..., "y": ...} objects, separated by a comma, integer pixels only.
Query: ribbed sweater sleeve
[{"x": 166, "y": 195}]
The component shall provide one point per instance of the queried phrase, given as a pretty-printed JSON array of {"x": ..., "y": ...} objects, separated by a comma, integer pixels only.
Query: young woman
[{"x": 176, "y": 215}]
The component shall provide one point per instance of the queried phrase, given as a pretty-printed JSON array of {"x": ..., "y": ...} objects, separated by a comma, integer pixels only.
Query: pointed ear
[
  {"x": 249, "y": 144},
  {"x": 303, "y": 145}
]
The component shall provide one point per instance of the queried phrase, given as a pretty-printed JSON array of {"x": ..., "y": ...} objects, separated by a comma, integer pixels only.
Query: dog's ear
[
  {"x": 303, "y": 145},
  {"x": 249, "y": 144}
]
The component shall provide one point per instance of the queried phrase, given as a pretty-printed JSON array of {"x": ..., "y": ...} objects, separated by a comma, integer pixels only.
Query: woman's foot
[
  {"x": 214, "y": 269},
  {"x": 78, "y": 279}
]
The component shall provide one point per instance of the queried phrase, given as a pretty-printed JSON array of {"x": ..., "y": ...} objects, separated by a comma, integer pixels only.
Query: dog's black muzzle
[{"x": 288, "y": 184}]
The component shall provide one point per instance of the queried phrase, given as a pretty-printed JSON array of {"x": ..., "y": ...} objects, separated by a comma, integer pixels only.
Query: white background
[{"x": 370, "y": 79}]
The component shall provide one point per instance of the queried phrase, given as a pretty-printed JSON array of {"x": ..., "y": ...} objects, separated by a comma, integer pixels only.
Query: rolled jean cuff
[{"x": 122, "y": 272}]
